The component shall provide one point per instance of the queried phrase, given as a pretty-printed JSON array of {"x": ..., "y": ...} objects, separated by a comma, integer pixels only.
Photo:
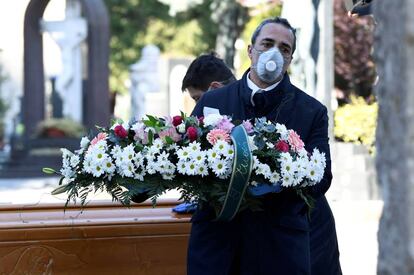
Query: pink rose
[
  {"x": 295, "y": 142},
  {"x": 120, "y": 131},
  {"x": 177, "y": 120},
  {"x": 192, "y": 133},
  {"x": 282, "y": 146}
]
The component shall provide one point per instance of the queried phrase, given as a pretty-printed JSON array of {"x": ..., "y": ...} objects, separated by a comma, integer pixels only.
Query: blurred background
[{"x": 66, "y": 66}]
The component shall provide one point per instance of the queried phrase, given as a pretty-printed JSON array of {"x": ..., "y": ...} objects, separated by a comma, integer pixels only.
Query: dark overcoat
[{"x": 279, "y": 240}]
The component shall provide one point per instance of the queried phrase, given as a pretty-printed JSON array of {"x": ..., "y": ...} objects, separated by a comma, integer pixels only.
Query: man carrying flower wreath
[{"x": 275, "y": 240}]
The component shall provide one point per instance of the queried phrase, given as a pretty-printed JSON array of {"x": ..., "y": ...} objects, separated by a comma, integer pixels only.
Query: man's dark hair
[
  {"x": 276, "y": 20},
  {"x": 205, "y": 69}
]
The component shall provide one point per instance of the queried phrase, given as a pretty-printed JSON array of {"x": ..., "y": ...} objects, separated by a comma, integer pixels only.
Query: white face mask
[{"x": 269, "y": 66}]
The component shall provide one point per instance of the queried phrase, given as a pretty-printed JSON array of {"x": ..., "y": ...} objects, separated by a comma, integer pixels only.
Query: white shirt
[{"x": 256, "y": 89}]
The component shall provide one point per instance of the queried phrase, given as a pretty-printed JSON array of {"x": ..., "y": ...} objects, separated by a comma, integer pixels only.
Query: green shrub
[{"x": 356, "y": 122}]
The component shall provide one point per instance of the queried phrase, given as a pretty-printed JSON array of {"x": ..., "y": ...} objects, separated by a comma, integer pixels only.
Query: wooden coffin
[{"x": 106, "y": 238}]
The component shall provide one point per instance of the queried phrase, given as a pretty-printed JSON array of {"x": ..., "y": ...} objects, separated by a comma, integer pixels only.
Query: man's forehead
[{"x": 276, "y": 32}]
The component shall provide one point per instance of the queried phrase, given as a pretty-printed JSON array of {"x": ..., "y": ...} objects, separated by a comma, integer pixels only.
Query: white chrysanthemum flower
[
  {"x": 74, "y": 161},
  {"x": 318, "y": 158},
  {"x": 181, "y": 167},
  {"x": 66, "y": 153},
  {"x": 287, "y": 180},
  {"x": 288, "y": 167},
  {"x": 128, "y": 153},
  {"x": 194, "y": 147},
  {"x": 311, "y": 173},
  {"x": 173, "y": 147},
  {"x": 108, "y": 166},
  {"x": 67, "y": 172},
  {"x": 202, "y": 171},
  {"x": 87, "y": 165},
  {"x": 127, "y": 170},
  {"x": 212, "y": 120},
  {"x": 158, "y": 144},
  {"x": 84, "y": 142},
  {"x": 282, "y": 131},
  {"x": 274, "y": 177},
  {"x": 199, "y": 157},
  {"x": 139, "y": 159},
  {"x": 270, "y": 145},
  {"x": 183, "y": 153},
  {"x": 212, "y": 155},
  {"x": 256, "y": 162},
  {"x": 163, "y": 157},
  {"x": 229, "y": 152},
  {"x": 191, "y": 168},
  {"x": 221, "y": 147},
  {"x": 97, "y": 155},
  {"x": 139, "y": 175},
  {"x": 285, "y": 157},
  {"x": 97, "y": 170},
  {"x": 254, "y": 183},
  {"x": 219, "y": 167},
  {"x": 303, "y": 153},
  {"x": 252, "y": 145},
  {"x": 101, "y": 145},
  {"x": 116, "y": 151},
  {"x": 181, "y": 128}
]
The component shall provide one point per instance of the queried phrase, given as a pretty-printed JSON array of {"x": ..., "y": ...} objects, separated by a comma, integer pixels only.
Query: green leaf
[
  {"x": 48, "y": 170},
  {"x": 169, "y": 140},
  {"x": 61, "y": 189}
]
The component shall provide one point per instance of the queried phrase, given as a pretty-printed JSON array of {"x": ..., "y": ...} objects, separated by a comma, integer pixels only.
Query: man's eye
[{"x": 267, "y": 45}]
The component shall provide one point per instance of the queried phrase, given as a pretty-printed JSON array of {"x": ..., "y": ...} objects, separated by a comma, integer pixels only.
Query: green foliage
[
  {"x": 354, "y": 65},
  {"x": 136, "y": 23},
  {"x": 356, "y": 122}
]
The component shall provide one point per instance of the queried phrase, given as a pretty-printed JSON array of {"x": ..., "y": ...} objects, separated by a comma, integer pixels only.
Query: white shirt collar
[{"x": 255, "y": 88}]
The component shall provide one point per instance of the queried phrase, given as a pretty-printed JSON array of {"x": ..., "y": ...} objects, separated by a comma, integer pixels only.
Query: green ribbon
[{"x": 242, "y": 168}]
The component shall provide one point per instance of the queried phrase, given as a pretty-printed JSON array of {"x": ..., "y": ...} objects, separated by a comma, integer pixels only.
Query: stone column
[
  {"x": 394, "y": 53},
  {"x": 325, "y": 64}
]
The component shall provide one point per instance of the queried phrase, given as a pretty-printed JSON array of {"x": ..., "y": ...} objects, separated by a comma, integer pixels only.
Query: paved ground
[{"x": 357, "y": 221}]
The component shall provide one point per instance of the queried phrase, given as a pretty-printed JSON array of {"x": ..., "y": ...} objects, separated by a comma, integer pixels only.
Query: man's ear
[
  {"x": 215, "y": 85},
  {"x": 249, "y": 51}
]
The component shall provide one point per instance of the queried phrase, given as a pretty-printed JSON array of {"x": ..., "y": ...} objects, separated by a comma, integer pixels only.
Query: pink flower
[
  {"x": 248, "y": 126},
  {"x": 176, "y": 120},
  {"x": 225, "y": 125},
  {"x": 99, "y": 137},
  {"x": 120, "y": 131},
  {"x": 295, "y": 142},
  {"x": 170, "y": 132},
  {"x": 282, "y": 146},
  {"x": 217, "y": 134},
  {"x": 192, "y": 133}
]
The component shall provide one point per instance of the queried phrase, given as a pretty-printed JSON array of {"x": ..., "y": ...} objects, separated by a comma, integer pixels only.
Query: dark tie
[{"x": 259, "y": 101}]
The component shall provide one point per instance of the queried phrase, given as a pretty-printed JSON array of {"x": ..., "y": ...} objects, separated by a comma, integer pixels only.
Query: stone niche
[{"x": 106, "y": 238}]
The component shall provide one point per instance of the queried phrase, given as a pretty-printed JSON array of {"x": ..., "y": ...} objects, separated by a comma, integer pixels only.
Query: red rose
[
  {"x": 120, "y": 131},
  {"x": 177, "y": 120},
  {"x": 192, "y": 133},
  {"x": 282, "y": 146}
]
